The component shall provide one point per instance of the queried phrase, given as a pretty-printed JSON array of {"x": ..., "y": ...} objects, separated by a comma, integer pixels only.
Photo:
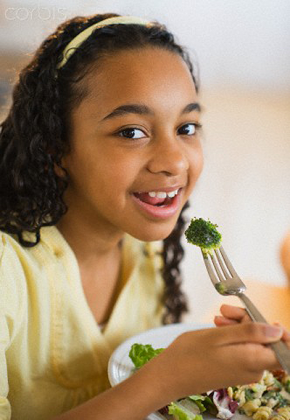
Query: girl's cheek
[{"x": 197, "y": 164}]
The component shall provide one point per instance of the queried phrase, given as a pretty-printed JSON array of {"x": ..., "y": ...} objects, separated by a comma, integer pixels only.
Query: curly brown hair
[{"x": 34, "y": 136}]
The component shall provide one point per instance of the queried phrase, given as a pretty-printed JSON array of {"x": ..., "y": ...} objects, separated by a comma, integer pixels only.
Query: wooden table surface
[{"x": 272, "y": 301}]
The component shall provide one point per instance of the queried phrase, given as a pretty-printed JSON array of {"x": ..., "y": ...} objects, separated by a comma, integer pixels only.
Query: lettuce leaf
[
  {"x": 202, "y": 401},
  {"x": 142, "y": 353},
  {"x": 182, "y": 413}
]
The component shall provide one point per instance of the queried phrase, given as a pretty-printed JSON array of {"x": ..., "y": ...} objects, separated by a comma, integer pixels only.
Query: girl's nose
[{"x": 168, "y": 157}]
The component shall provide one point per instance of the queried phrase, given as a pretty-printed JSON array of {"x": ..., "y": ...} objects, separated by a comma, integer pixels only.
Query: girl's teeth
[
  {"x": 171, "y": 194},
  {"x": 161, "y": 194}
]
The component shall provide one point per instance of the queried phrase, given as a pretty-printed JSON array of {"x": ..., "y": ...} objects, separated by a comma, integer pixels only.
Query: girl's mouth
[{"x": 159, "y": 204}]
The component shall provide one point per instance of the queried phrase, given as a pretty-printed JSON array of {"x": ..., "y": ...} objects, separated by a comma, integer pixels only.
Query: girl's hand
[
  {"x": 213, "y": 358},
  {"x": 231, "y": 315}
]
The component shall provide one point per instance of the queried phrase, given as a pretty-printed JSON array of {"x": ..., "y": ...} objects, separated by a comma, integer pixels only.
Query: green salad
[{"x": 267, "y": 399}]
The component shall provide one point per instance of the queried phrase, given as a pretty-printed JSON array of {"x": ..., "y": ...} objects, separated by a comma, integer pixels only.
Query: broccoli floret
[{"x": 204, "y": 234}]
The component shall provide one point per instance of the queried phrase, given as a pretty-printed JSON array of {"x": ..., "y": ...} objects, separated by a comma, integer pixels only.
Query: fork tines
[{"x": 218, "y": 266}]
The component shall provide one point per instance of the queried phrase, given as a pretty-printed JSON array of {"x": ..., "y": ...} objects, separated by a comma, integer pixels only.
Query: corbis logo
[{"x": 41, "y": 13}]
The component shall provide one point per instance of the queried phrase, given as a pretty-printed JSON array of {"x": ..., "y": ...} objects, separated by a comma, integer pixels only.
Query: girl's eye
[
  {"x": 188, "y": 129},
  {"x": 132, "y": 133}
]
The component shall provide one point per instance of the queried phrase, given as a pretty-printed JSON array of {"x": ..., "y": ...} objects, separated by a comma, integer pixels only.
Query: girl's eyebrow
[{"x": 141, "y": 109}]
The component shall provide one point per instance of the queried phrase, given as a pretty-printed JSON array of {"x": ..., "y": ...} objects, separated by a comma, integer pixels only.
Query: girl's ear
[{"x": 60, "y": 170}]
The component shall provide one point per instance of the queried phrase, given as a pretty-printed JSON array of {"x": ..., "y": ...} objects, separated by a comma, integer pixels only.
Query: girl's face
[{"x": 135, "y": 149}]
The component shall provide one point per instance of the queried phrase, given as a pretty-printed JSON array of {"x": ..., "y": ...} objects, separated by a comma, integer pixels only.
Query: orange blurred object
[{"x": 285, "y": 255}]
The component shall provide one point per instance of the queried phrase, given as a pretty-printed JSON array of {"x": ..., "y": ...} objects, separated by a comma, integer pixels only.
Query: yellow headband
[{"x": 82, "y": 36}]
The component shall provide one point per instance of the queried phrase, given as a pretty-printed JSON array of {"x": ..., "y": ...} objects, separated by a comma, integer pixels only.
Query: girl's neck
[
  {"x": 99, "y": 259},
  {"x": 88, "y": 242}
]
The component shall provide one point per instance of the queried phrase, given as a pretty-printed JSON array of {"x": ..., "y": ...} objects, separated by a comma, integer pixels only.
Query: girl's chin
[{"x": 156, "y": 233}]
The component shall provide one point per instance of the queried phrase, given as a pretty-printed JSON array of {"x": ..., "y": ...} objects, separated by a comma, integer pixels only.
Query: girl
[{"x": 99, "y": 155}]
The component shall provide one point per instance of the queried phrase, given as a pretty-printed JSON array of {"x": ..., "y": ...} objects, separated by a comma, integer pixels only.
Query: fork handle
[{"x": 281, "y": 350}]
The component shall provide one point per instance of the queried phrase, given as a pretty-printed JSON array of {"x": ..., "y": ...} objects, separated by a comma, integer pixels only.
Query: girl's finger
[
  {"x": 235, "y": 313},
  {"x": 221, "y": 321},
  {"x": 286, "y": 334},
  {"x": 251, "y": 332},
  {"x": 286, "y": 338}
]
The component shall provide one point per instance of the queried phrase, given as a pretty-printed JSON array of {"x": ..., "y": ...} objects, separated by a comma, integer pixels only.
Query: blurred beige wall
[{"x": 245, "y": 187}]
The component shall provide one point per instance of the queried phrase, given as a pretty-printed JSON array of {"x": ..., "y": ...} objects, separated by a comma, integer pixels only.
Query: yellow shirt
[{"x": 53, "y": 355}]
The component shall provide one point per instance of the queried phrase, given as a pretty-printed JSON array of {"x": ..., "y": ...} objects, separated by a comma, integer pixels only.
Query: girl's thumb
[
  {"x": 273, "y": 331},
  {"x": 254, "y": 332}
]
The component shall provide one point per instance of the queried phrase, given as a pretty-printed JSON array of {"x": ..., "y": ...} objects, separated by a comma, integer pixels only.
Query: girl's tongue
[{"x": 154, "y": 201}]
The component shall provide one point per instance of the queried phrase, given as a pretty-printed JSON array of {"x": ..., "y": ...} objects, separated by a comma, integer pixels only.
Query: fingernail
[{"x": 272, "y": 331}]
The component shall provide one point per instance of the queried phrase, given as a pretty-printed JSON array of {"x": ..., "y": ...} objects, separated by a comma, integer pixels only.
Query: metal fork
[{"x": 227, "y": 282}]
